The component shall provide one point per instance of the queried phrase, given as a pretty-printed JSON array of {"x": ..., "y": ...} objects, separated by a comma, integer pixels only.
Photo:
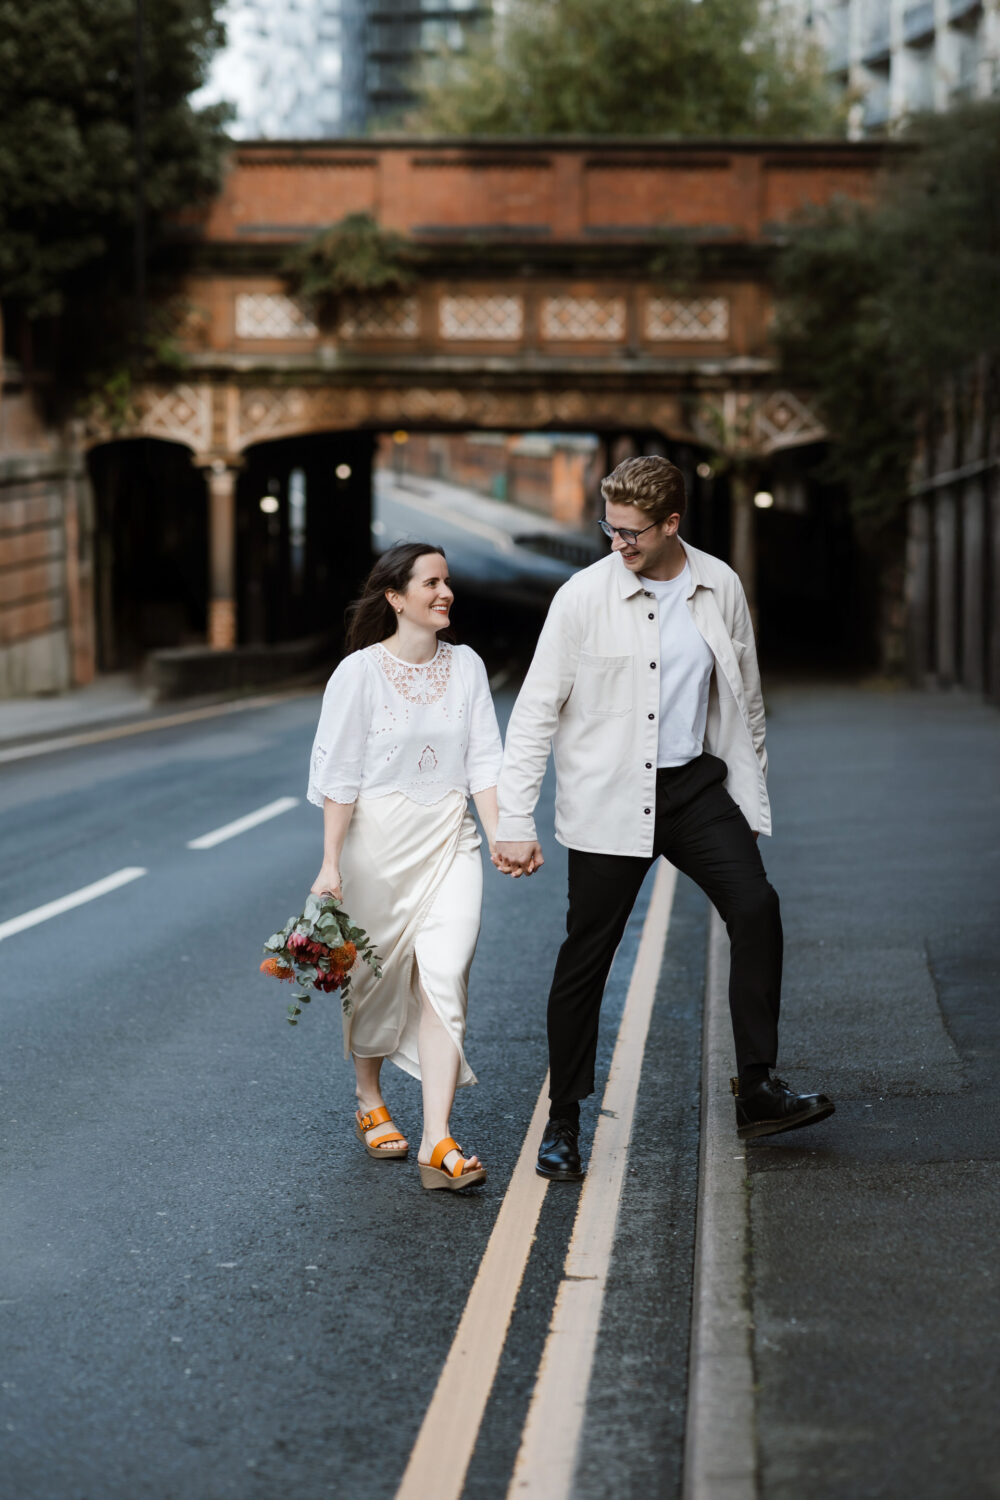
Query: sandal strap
[
  {"x": 373, "y": 1117},
  {"x": 441, "y": 1151},
  {"x": 383, "y": 1140}
]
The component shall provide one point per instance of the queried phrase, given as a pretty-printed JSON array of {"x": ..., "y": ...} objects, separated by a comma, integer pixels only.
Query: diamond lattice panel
[
  {"x": 481, "y": 317},
  {"x": 583, "y": 318},
  {"x": 381, "y": 318},
  {"x": 688, "y": 319},
  {"x": 270, "y": 315}
]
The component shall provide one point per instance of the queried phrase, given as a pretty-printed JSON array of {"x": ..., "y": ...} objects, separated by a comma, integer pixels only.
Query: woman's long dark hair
[{"x": 371, "y": 617}]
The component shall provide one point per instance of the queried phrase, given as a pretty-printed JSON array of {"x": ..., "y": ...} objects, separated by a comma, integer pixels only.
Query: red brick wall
[
  {"x": 561, "y": 191},
  {"x": 46, "y": 625}
]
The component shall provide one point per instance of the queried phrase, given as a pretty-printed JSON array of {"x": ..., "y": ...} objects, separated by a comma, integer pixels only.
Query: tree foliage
[
  {"x": 630, "y": 67},
  {"x": 355, "y": 257},
  {"x": 880, "y": 307},
  {"x": 67, "y": 149}
]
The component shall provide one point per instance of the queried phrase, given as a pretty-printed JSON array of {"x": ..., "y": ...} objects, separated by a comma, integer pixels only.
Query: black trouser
[{"x": 701, "y": 831}]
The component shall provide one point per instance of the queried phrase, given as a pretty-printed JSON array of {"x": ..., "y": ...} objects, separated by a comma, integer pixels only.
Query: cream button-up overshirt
[{"x": 592, "y": 693}]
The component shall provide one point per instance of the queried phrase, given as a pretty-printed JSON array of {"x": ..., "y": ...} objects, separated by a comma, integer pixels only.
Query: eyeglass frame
[{"x": 625, "y": 532}]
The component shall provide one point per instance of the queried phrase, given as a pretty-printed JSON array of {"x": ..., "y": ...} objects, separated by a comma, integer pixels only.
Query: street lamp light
[{"x": 763, "y": 499}]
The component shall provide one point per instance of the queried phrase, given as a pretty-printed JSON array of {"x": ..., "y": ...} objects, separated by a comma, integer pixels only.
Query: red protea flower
[{"x": 328, "y": 982}]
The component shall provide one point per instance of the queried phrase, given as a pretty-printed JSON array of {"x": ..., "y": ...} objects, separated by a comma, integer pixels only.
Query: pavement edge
[{"x": 720, "y": 1458}]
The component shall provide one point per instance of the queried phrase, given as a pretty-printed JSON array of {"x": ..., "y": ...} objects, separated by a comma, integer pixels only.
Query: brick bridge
[{"x": 539, "y": 304}]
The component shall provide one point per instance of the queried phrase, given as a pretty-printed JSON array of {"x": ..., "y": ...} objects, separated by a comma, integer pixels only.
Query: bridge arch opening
[{"x": 151, "y": 549}]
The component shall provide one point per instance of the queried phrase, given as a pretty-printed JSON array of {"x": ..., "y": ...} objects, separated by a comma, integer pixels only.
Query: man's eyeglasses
[{"x": 625, "y": 532}]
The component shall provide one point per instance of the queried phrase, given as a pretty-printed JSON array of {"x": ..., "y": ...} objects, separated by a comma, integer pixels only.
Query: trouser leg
[
  {"x": 602, "y": 892},
  {"x": 708, "y": 838}
]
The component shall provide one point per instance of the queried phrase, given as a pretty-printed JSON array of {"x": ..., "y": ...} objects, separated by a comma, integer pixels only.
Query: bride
[{"x": 407, "y": 733}]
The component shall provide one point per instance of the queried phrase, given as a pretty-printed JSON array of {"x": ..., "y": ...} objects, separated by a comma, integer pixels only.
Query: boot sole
[
  {"x": 757, "y": 1128},
  {"x": 560, "y": 1176}
]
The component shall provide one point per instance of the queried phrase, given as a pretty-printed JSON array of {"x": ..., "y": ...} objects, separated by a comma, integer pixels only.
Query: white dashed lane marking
[
  {"x": 230, "y": 830},
  {"x": 66, "y": 903}
]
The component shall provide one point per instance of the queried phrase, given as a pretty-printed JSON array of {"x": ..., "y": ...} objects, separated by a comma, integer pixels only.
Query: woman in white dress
[{"x": 407, "y": 733}]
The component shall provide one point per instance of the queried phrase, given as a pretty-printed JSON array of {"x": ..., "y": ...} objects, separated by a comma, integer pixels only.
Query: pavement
[
  {"x": 874, "y": 1275},
  {"x": 207, "y": 1291}
]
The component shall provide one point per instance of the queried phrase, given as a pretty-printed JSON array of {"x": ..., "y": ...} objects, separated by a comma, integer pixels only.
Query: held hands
[{"x": 517, "y": 858}]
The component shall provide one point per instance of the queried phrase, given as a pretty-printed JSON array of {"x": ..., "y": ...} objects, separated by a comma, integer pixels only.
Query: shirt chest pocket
[{"x": 603, "y": 685}]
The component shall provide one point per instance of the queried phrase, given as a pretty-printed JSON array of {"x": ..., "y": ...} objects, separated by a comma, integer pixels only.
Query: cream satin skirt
[{"x": 413, "y": 878}]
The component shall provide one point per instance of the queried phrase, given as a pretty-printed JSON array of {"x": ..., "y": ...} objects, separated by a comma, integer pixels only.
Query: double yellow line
[{"x": 441, "y": 1455}]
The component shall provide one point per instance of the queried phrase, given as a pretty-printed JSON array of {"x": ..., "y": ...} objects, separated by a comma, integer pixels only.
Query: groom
[{"x": 645, "y": 684}]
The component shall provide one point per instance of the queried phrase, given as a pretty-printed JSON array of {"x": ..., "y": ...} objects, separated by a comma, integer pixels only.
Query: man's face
[{"x": 649, "y": 550}]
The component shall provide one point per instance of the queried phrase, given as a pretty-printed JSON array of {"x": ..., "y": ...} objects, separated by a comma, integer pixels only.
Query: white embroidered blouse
[{"x": 388, "y": 725}]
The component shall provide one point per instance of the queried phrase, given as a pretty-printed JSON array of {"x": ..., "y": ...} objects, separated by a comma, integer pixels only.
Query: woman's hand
[{"x": 327, "y": 882}]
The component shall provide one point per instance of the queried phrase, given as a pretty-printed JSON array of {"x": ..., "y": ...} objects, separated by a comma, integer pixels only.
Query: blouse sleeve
[
  {"x": 484, "y": 750},
  {"x": 336, "y": 763}
]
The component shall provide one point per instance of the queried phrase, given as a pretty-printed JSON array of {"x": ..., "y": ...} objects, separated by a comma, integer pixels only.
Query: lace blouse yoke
[{"x": 424, "y": 729}]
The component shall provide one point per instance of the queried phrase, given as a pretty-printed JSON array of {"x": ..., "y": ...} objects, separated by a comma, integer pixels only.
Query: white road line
[
  {"x": 720, "y": 1448},
  {"x": 219, "y": 835},
  {"x": 551, "y": 1437},
  {"x": 145, "y": 726},
  {"x": 440, "y": 1457},
  {"x": 66, "y": 903}
]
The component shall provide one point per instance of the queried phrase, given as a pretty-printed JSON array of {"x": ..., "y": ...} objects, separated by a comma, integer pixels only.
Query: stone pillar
[
  {"x": 946, "y": 605},
  {"x": 222, "y": 554},
  {"x": 743, "y": 543},
  {"x": 973, "y": 584}
]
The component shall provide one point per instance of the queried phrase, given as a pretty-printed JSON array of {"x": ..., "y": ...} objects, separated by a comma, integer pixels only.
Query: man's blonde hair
[{"x": 652, "y": 483}]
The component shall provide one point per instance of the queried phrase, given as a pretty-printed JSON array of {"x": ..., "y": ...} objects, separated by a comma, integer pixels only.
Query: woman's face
[{"x": 428, "y": 598}]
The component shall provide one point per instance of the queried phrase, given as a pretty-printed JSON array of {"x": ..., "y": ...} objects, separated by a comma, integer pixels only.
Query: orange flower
[
  {"x": 343, "y": 958},
  {"x": 277, "y": 968}
]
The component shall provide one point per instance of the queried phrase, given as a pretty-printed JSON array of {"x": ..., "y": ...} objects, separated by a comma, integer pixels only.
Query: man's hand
[{"x": 518, "y": 858}]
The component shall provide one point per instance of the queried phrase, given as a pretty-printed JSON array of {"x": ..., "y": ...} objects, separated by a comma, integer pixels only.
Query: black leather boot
[
  {"x": 559, "y": 1153},
  {"x": 770, "y": 1107}
]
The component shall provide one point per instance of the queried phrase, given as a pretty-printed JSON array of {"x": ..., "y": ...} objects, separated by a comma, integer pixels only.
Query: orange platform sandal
[
  {"x": 382, "y": 1147},
  {"x": 434, "y": 1175}
]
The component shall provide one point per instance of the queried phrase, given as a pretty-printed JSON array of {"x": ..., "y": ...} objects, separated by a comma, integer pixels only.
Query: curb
[{"x": 720, "y": 1449}]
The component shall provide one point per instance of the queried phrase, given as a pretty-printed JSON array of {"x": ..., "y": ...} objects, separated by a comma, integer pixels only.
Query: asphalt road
[
  {"x": 477, "y": 535},
  {"x": 207, "y": 1289}
]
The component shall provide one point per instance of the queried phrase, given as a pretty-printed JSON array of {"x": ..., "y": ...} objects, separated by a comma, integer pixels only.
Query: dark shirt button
[
  {"x": 653, "y": 664},
  {"x": 646, "y": 810},
  {"x": 652, "y": 716},
  {"x": 649, "y": 765},
  {"x": 651, "y": 617}
]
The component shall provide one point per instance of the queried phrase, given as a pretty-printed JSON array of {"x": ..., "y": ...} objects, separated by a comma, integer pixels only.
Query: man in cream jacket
[{"x": 645, "y": 685}]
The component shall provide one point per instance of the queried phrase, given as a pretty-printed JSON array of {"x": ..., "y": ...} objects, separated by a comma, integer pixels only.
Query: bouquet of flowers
[{"x": 317, "y": 950}]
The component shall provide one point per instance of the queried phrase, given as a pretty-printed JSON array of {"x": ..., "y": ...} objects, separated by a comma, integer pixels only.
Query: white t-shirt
[
  {"x": 388, "y": 725},
  {"x": 686, "y": 664}
]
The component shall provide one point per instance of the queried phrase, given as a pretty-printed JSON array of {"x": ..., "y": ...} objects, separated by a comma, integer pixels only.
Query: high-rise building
[
  {"x": 300, "y": 69},
  {"x": 293, "y": 69},
  {"x": 399, "y": 33},
  {"x": 898, "y": 57}
]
